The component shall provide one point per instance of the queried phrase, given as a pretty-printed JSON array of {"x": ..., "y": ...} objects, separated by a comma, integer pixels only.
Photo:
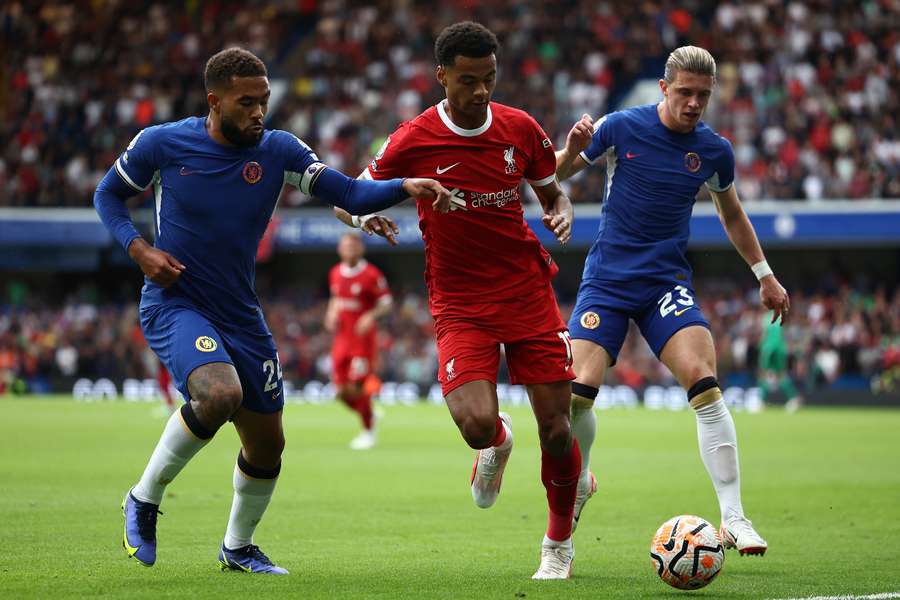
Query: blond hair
[{"x": 692, "y": 59}]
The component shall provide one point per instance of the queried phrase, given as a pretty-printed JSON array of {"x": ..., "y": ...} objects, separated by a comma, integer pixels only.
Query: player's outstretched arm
[
  {"x": 558, "y": 212},
  {"x": 361, "y": 196},
  {"x": 569, "y": 160},
  {"x": 743, "y": 237},
  {"x": 109, "y": 200}
]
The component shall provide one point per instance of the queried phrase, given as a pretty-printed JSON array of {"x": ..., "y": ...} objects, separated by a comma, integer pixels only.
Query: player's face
[
  {"x": 241, "y": 108},
  {"x": 686, "y": 98},
  {"x": 469, "y": 83},
  {"x": 350, "y": 249}
]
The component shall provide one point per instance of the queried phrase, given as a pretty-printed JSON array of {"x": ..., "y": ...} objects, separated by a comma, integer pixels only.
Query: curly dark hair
[
  {"x": 233, "y": 62},
  {"x": 466, "y": 38}
]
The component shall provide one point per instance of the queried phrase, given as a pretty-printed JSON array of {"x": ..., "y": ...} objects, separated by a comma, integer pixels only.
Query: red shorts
[
  {"x": 469, "y": 353},
  {"x": 351, "y": 363}
]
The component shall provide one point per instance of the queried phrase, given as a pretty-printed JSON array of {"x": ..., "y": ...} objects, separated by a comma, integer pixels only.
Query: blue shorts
[
  {"x": 603, "y": 309},
  {"x": 184, "y": 339}
]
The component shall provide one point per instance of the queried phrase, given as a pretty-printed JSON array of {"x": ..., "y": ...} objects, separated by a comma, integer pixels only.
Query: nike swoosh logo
[
  {"x": 630, "y": 155},
  {"x": 441, "y": 171},
  {"x": 678, "y": 313}
]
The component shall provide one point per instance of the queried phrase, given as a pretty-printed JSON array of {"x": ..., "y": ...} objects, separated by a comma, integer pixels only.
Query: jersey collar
[
  {"x": 459, "y": 130},
  {"x": 353, "y": 271}
]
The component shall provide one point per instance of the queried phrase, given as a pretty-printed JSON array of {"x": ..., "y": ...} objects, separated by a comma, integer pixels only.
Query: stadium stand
[{"x": 808, "y": 90}]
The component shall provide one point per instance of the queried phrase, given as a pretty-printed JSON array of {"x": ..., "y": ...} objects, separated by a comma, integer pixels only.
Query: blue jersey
[
  {"x": 653, "y": 176},
  {"x": 212, "y": 206}
]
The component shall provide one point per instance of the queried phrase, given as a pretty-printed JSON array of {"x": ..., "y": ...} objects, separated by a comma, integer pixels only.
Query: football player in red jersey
[
  {"x": 488, "y": 276},
  {"x": 359, "y": 296}
]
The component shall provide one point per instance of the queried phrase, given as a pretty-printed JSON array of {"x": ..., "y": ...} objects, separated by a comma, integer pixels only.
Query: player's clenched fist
[
  {"x": 579, "y": 137},
  {"x": 159, "y": 266},
  {"x": 428, "y": 188}
]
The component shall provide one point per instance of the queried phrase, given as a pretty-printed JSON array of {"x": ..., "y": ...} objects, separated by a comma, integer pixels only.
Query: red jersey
[
  {"x": 482, "y": 251},
  {"x": 355, "y": 290}
]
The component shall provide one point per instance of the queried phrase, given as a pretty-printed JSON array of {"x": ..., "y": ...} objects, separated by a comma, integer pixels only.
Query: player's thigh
[
  {"x": 262, "y": 437},
  {"x": 474, "y": 405},
  {"x": 599, "y": 322},
  {"x": 184, "y": 340},
  {"x": 590, "y": 362},
  {"x": 690, "y": 355},
  {"x": 255, "y": 358}
]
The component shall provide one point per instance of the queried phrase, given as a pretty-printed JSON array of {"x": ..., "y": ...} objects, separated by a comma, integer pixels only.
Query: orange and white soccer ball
[{"x": 687, "y": 552}]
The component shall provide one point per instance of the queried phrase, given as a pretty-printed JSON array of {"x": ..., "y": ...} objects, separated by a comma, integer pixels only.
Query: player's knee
[
  {"x": 218, "y": 400},
  {"x": 704, "y": 393},
  {"x": 555, "y": 434},
  {"x": 583, "y": 396},
  {"x": 479, "y": 429}
]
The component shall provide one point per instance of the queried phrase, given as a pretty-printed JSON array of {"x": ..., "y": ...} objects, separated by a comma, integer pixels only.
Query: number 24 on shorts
[
  {"x": 667, "y": 305},
  {"x": 272, "y": 369}
]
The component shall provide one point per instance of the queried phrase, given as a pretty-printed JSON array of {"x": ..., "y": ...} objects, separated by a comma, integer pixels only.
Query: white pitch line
[{"x": 882, "y": 596}]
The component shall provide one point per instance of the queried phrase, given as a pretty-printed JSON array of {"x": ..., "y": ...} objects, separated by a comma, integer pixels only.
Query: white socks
[
  {"x": 718, "y": 449},
  {"x": 176, "y": 447},
  {"x": 251, "y": 497},
  {"x": 584, "y": 428}
]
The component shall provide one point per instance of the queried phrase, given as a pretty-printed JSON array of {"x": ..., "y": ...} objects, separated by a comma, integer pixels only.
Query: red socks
[
  {"x": 559, "y": 474},
  {"x": 362, "y": 405},
  {"x": 499, "y": 434}
]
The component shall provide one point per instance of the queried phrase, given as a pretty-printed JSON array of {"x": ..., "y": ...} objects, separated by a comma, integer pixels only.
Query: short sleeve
[
  {"x": 542, "y": 169},
  {"x": 389, "y": 162},
  {"x": 723, "y": 176},
  {"x": 141, "y": 160},
  {"x": 600, "y": 141},
  {"x": 298, "y": 158}
]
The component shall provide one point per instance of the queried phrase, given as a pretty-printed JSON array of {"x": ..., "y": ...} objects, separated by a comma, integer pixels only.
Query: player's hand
[
  {"x": 330, "y": 320},
  {"x": 380, "y": 225},
  {"x": 579, "y": 137},
  {"x": 558, "y": 218},
  {"x": 364, "y": 324},
  {"x": 429, "y": 188},
  {"x": 159, "y": 266},
  {"x": 774, "y": 297}
]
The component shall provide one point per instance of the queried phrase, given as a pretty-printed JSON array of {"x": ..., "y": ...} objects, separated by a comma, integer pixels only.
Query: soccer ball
[{"x": 686, "y": 552}]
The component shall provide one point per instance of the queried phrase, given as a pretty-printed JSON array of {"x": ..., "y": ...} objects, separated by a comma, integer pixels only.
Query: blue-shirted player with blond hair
[
  {"x": 215, "y": 181},
  {"x": 657, "y": 157}
]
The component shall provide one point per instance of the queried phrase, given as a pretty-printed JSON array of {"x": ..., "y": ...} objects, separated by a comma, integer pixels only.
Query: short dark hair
[
  {"x": 467, "y": 38},
  {"x": 233, "y": 62}
]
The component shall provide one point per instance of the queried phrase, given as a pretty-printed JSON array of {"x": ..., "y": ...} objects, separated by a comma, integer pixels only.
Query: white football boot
[
  {"x": 364, "y": 441},
  {"x": 738, "y": 533},
  {"x": 556, "y": 559},
  {"x": 587, "y": 487},
  {"x": 487, "y": 472}
]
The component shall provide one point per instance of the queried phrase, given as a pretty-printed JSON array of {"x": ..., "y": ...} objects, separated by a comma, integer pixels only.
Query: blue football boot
[
  {"x": 139, "y": 539},
  {"x": 249, "y": 559}
]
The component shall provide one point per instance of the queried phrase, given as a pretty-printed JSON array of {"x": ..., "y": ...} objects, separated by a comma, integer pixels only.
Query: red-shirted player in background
[
  {"x": 487, "y": 274},
  {"x": 359, "y": 296}
]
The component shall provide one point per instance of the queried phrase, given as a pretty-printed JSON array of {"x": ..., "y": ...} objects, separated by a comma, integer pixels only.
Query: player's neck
[
  {"x": 214, "y": 130},
  {"x": 464, "y": 121}
]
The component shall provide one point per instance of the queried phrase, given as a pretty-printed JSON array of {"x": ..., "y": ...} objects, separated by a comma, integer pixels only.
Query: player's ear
[
  {"x": 441, "y": 75},
  {"x": 663, "y": 86},
  {"x": 212, "y": 99}
]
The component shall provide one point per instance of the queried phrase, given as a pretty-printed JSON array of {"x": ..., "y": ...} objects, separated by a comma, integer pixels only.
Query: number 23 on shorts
[{"x": 670, "y": 303}]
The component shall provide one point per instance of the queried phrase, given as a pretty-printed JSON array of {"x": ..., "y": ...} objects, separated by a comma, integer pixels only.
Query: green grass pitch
[{"x": 823, "y": 486}]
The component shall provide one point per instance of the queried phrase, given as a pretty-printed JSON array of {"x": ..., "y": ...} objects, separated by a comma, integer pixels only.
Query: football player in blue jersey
[
  {"x": 216, "y": 180},
  {"x": 657, "y": 157}
]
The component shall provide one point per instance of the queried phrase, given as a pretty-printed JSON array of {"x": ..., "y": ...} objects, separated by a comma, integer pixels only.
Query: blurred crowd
[
  {"x": 847, "y": 339},
  {"x": 809, "y": 91}
]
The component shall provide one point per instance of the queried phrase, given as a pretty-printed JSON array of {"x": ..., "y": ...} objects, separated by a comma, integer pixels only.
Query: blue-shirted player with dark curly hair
[
  {"x": 215, "y": 182},
  {"x": 657, "y": 158}
]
